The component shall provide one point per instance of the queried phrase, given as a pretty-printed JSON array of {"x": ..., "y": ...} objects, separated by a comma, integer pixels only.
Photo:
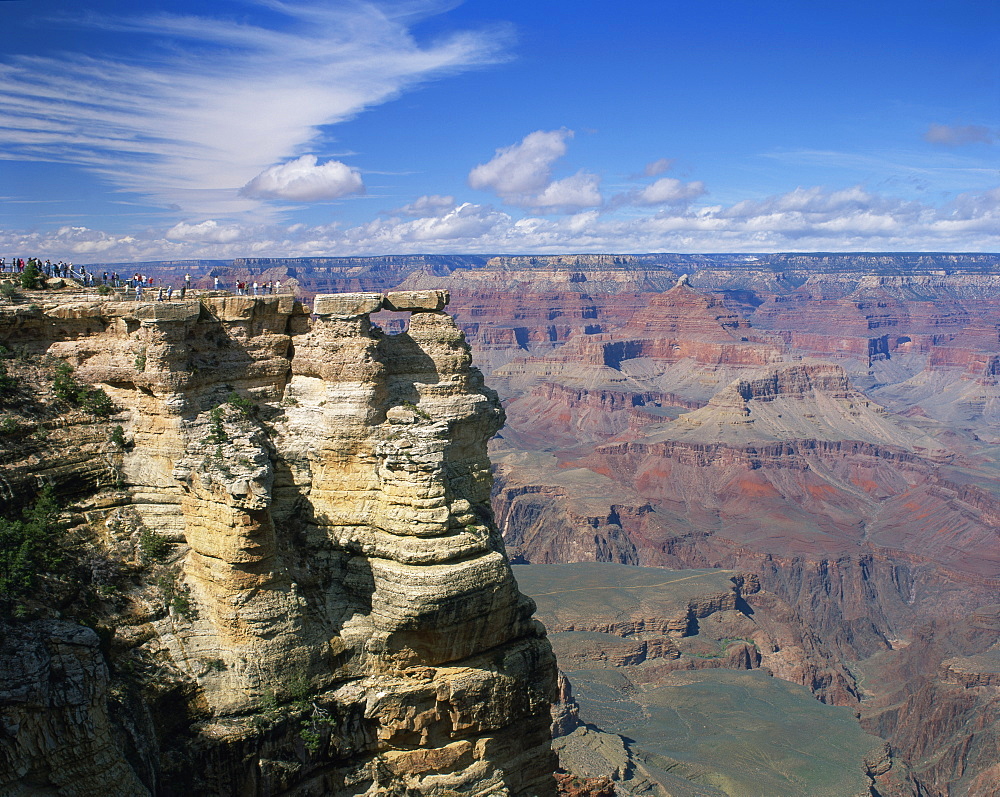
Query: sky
[{"x": 306, "y": 128}]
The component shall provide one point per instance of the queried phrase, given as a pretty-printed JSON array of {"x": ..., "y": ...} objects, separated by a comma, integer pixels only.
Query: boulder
[
  {"x": 347, "y": 305},
  {"x": 416, "y": 301}
]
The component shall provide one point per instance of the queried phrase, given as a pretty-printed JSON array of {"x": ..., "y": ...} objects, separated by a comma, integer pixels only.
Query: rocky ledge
[{"x": 318, "y": 599}]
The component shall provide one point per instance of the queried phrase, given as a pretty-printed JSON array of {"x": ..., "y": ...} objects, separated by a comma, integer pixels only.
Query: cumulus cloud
[
  {"x": 210, "y": 232},
  {"x": 668, "y": 191},
  {"x": 524, "y": 168},
  {"x": 223, "y": 100},
  {"x": 582, "y": 190},
  {"x": 467, "y": 221},
  {"x": 305, "y": 180},
  {"x": 521, "y": 174},
  {"x": 805, "y": 219},
  {"x": 959, "y": 135},
  {"x": 426, "y": 206}
]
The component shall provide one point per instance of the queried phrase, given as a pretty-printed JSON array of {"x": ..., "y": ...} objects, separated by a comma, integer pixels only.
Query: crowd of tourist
[
  {"x": 89, "y": 279},
  {"x": 257, "y": 288},
  {"x": 16, "y": 265},
  {"x": 138, "y": 283}
]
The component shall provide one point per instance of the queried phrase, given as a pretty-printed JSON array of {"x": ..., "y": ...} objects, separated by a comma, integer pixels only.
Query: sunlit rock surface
[{"x": 349, "y": 621}]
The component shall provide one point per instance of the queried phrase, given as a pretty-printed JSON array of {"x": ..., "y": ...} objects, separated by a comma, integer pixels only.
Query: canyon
[{"x": 823, "y": 427}]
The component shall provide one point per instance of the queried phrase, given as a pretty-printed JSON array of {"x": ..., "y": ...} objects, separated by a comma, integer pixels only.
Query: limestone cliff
[{"x": 329, "y": 610}]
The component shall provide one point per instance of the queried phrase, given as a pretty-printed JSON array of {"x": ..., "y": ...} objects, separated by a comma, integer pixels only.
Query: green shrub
[
  {"x": 310, "y": 737},
  {"x": 313, "y": 727},
  {"x": 299, "y": 689},
  {"x": 234, "y": 399},
  {"x": 140, "y": 360},
  {"x": 269, "y": 701},
  {"x": 93, "y": 400},
  {"x": 117, "y": 437},
  {"x": 29, "y": 547},
  {"x": 217, "y": 433},
  {"x": 64, "y": 385},
  {"x": 8, "y": 385},
  {"x": 9, "y": 291},
  {"x": 104, "y": 290},
  {"x": 153, "y": 547},
  {"x": 181, "y": 603},
  {"x": 30, "y": 276},
  {"x": 416, "y": 410}
]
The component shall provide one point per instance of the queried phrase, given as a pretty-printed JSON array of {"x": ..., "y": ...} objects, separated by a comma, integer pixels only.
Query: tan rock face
[
  {"x": 347, "y": 305},
  {"x": 330, "y": 486},
  {"x": 416, "y": 300}
]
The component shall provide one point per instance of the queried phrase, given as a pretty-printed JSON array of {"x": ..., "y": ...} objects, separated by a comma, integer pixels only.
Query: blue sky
[{"x": 303, "y": 128}]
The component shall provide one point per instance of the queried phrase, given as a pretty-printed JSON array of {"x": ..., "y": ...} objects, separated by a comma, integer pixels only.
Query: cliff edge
[{"x": 295, "y": 584}]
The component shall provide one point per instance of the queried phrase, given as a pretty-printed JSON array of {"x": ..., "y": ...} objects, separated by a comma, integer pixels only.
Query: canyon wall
[
  {"x": 827, "y": 422},
  {"x": 310, "y": 594}
]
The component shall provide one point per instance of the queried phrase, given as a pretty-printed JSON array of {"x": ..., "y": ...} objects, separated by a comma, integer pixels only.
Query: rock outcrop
[
  {"x": 867, "y": 508},
  {"x": 333, "y": 611}
]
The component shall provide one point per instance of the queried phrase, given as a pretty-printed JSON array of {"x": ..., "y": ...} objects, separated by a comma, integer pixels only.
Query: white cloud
[
  {"x": 959, "y": 135},
  {"x": 582, "y": 190},
  {"x": 458, "y": 228},
  {"x": 467, "y": 221},
  {"x": 654, "y": 168},
  {"x": 522, "y": 169},
  {"x": 429, "y": 205},
  {"x": 814, "y": 200},
  {"x": 665, "y": 191},
  {"x": 521, "y": 175},
  {"x": 210, "y": 232},
  {"x": 806, "y": 219},
  {"x": 224, "y": 99},
  {"x": 668, "y": 191},
  {"x": 305, "y": 180}
]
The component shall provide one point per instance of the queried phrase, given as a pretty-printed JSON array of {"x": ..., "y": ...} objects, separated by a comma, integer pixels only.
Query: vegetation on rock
[
  {"x": 9, "y": 291},
  {"x": 30, "y": 276},
  {"x": 67, "y": 389},
  {"x": 30, "y": 547}
]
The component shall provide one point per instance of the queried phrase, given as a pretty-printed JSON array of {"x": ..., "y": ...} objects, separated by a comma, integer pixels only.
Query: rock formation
[
  {"x": 329, "y": 608},
  {"x": 825, "y": 421}
]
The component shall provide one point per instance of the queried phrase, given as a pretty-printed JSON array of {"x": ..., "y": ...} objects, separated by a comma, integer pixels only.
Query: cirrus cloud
[
  {"x": 211, "y": 102},
  {"x": 959, "y": 135}
]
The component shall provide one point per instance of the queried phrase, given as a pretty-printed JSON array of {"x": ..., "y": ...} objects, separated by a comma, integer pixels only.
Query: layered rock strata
[{"x": 349, "y": 621}]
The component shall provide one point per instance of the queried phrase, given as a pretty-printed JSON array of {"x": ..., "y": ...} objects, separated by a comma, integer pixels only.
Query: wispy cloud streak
[{"x": 198, "y": 119}]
